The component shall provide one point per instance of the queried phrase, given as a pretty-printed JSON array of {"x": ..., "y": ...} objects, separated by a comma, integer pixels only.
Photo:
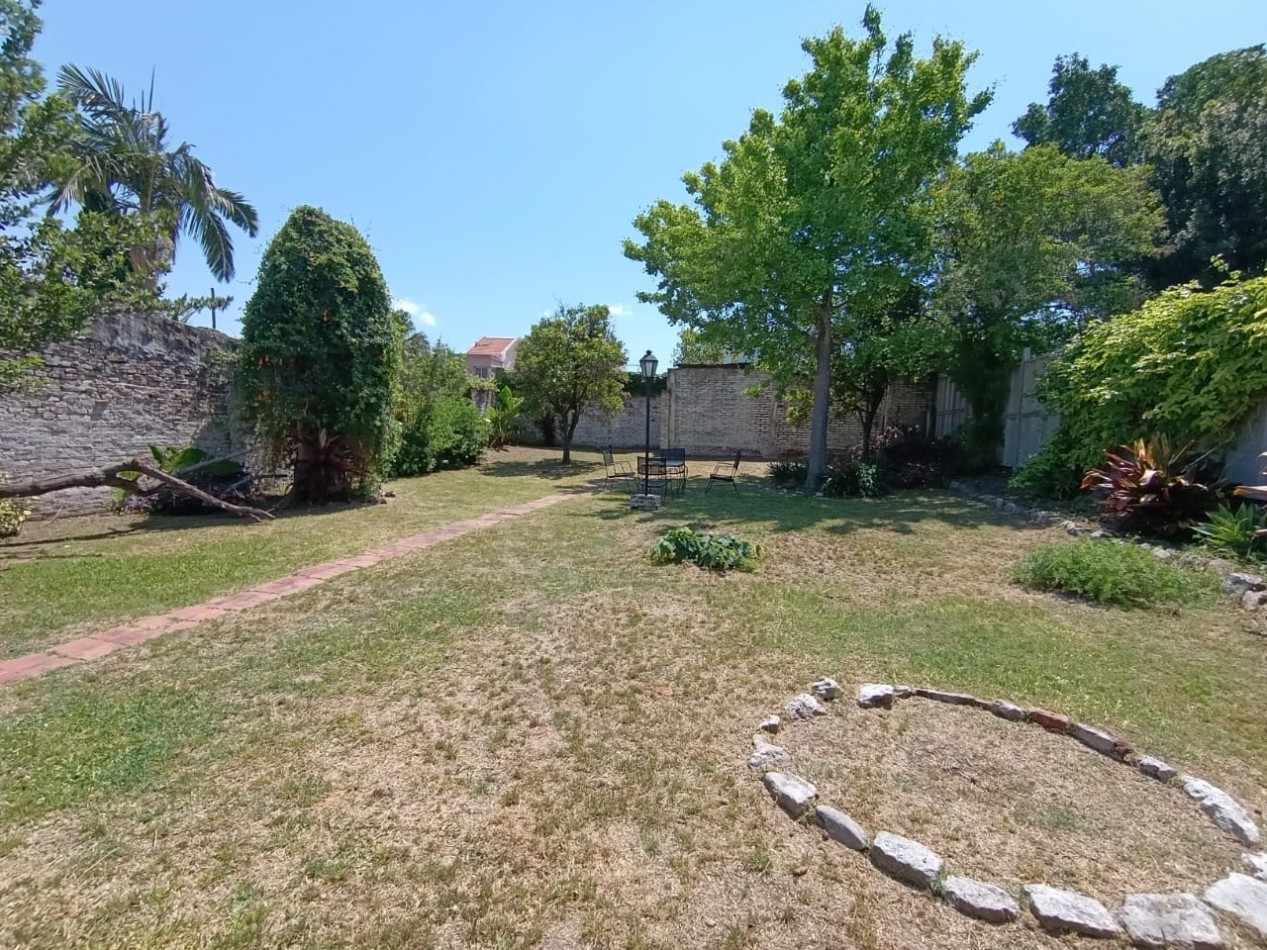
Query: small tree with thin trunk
[{"x": 571, "y": 363}]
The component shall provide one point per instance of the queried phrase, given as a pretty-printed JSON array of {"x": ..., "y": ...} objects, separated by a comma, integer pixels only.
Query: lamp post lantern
[{"x": 648, "y": 364}]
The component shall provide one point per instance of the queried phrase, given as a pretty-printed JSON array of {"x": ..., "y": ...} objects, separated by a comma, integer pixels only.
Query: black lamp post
[{"x": 648, "y": 364}]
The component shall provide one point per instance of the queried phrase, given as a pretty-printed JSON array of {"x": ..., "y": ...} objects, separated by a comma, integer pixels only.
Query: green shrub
[
  {"x": 12, "y": 514},
  {"x": 788, "y": 471},
  {"x": 1233, "y": 531},
  {"x": 853, "y": 480},
  {"x": 1189, "y": 366},
  {"x": 447, "y": 433},
  {"x": 1120, "y": 574},
  {"x": 718, "y": 552}
]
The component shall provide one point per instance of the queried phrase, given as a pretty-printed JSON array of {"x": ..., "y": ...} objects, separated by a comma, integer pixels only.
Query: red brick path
[{"x": 147, "y": 628}]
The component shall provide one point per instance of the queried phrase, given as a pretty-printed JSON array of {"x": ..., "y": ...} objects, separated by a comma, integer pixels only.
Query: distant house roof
[{"x": 491, "y": 346}]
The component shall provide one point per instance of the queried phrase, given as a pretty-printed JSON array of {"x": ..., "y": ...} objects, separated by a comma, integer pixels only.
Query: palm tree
[{"x": 122, "y": 163}]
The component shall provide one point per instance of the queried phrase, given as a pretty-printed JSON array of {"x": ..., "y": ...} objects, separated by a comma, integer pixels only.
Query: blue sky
[{"x": 495, "y": 154}]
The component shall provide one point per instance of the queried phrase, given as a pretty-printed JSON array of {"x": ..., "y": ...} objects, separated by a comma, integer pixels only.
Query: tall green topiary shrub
[
  {"x": 320, "y": 358},
  {"x": 1188, "y": 366}
]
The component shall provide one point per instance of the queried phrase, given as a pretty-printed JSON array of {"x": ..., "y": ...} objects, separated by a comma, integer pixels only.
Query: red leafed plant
[{"x": 1152, "y": 490}]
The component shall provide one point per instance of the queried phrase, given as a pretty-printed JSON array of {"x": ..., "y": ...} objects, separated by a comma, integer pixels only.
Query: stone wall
[
  {"x": 104, "y": 398},
  {"x": 711, "y": 411},
  {"x": 626, "y": 429}
]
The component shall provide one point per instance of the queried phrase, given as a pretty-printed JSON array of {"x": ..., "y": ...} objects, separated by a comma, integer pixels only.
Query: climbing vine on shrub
[
  {"x": 320, "y": 357},
  {"x": 1189, "y": 366}
]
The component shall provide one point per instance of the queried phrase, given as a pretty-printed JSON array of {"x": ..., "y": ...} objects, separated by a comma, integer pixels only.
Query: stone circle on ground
[{"x": 1149, "y": 920}]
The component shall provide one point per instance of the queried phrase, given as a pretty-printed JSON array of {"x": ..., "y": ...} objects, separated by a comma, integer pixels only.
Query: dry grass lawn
[{"x": 531, "y": 736}]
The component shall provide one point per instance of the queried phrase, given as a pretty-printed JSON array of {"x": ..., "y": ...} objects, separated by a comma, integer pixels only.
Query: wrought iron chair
[
  {"x": 675, "y": 470},
  {"x": 615, "y": 471},
  {"x": 725, "y": 472}
]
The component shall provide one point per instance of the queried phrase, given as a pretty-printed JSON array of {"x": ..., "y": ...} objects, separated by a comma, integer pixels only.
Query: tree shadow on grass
[
  {"x": 552, "y": 469},
  {"x": 754, "y": 503}
]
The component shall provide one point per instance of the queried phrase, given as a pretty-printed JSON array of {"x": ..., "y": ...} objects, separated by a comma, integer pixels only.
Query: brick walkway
[{"x": 147, "y": 628}]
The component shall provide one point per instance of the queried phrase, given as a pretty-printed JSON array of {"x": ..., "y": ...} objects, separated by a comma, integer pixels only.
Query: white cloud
[
  {"x": 420, "y": 314},
  {"x": 618, "y": 310}
]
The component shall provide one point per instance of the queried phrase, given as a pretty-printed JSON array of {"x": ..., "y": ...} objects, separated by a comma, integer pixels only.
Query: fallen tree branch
[{"x": 111, "y": 477}]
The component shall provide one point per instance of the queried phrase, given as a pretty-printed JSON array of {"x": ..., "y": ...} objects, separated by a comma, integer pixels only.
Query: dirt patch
[{"x": 1009, "y": 802}]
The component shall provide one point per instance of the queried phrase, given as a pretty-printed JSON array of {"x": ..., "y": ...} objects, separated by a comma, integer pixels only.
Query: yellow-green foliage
[{"x": 1189, "y": 366}]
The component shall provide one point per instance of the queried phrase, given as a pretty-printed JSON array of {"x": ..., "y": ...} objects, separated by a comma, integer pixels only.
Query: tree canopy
[
  {"x": 320, "y": 358},
  {"x": 571, "y": 363},
  {"x": 1088, "y": 113},
  {"x": 1031, "y": 245},
  {"x": 815, "y": 210},
  {"x": 53, "y": 279}
]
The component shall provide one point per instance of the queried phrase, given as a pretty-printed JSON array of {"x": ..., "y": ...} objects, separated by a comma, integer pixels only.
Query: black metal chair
[
  {"x": 725, "y": 472},
  {"x": 675, "y": 469},
  {"x": 616, "y": 471}
]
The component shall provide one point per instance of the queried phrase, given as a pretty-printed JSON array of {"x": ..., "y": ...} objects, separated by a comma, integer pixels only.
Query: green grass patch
[{"x": 1123, "y": 575}]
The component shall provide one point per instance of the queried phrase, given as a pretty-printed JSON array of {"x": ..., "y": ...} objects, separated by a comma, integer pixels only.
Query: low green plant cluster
[
  {"x": 853, "y": 480},
  {"x": 1123, "y": 575},
  {"x": 12, "y": 514},
  {"x": 451, "y": 433},
  {"x": 788, "y": 471},
  {"x": 1189, "y": 366},
  {"x": 718, "y": 552},
  {"x": 1235, "y": 531}
]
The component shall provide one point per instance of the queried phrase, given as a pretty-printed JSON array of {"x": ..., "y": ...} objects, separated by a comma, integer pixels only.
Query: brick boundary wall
[{"x": 131, "y": 381}]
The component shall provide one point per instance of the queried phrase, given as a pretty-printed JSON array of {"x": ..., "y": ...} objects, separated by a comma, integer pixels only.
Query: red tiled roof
[{"x": 490, "y": 346}]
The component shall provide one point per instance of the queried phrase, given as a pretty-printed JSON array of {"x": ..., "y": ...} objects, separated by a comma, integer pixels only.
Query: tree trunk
[
  {"x": 870, "y": 410},
  {"x": 817, "y": 462},
  {"x": 111, "y": 478},
  {"x": 569, "y": 429}
]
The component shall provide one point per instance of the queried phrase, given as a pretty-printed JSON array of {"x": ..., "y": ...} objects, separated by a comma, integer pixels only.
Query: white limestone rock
[
  {"x": 1009, "y": 711},
  {"x": 980, "y": 900},
  {"x": 766, "y": 755},
  {"x": 1062, "y": 910},
  {"x": 905, "y": 859},
  {"x": 826, "y": 688},
  {"x": 771, "y": 724},
  {"x": 1156, "y": 768},
  {"x": 1257, "y": 864},
  {"x": 805, "y": 706},
  {"x": 876, "y": 695},
  {"x": 1169, "y": 920},
  {"x": 790, "y": 792},
  {"x": 1242, "y": 897},
  {"x": 1224, "y": 810},
  {"x": 840, "y": 827}
]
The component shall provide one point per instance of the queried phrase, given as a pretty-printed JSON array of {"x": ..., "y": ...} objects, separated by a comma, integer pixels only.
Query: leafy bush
[
  {"x": 788, "y": 471},
  {"x": 1120, "y": 574},
  {"x": 1235, "y": 530},
  {"x": 910, "y": 460},
  {"x": 501, "y": 417},
  {"x": 1152, "y": 490},
  {"x": 1189, "y": 366},
  {"x": 718, "y": 552},
  {"x": 853, "y": 480},
  {"x": 320, "y": 357},
  {"x": 12, "y": 514},
  {"x": 448, "y": 433}
]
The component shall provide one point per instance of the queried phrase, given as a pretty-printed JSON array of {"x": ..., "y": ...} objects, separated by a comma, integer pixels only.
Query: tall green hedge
[
  {"x": 320, "y": 357},
  {"x": 1190, "y": 365}
]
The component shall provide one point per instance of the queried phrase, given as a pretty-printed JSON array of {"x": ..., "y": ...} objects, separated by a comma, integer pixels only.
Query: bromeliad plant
[
  {"x": 718, "y": 552},
  {"x": 1152, "y": 490},
  {"x": 1239, "y": 531}
]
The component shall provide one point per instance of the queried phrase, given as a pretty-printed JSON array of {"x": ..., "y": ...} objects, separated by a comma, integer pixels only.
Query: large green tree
[
  {"x": 125, "y": 164},
  {"x": 320, "y": 358},
  {"x": 815, "y": 210},
  {"x": 1088, "y": 113},
  {"x": 1207, "y": 144},
  {"x": 571, "y": 363},
  {"x": 1032, "y": 245},
  {"x": 53, "y": 279}
]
